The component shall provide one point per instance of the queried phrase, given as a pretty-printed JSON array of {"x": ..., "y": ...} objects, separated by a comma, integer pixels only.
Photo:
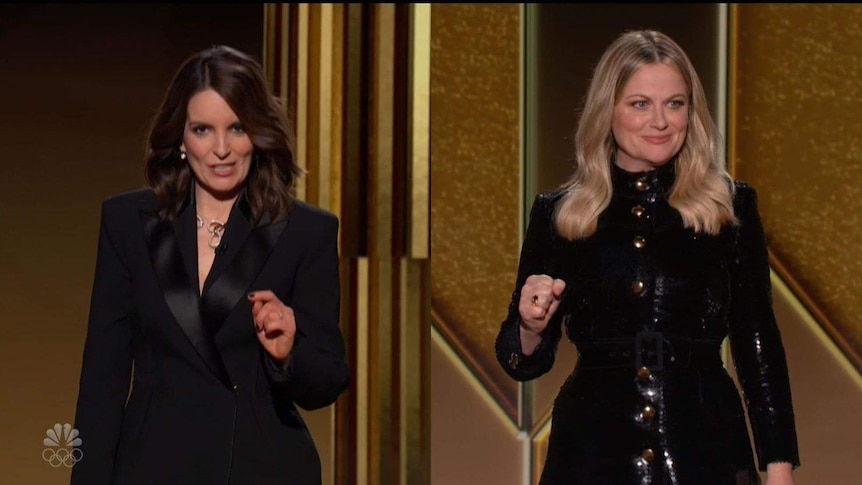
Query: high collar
[{"x": 657, "y": 181}]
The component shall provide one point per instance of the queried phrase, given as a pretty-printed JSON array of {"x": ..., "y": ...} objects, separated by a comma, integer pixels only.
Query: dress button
[
  {"x": 235, "y": 388},
  {"x": 648, "y": 455},
  {"x": 514, "y": 360},
  {"x": 637, "y": 287},
  {"x": 638, "y": 211},
  {"x": 639, "y": 242},
  {"x": 648, "y": 413},
  {"x": 642, "y": 184},
  {"x": 643, "y": 373}
]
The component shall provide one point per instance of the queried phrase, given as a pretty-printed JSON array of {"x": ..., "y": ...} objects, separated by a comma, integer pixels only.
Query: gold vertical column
[
  {"x": 358, "y": 80},
  {"x": 420, "y": 129},
  {"x": 336, "y": 114},
  {"x": 352, "y": 412},
  {"x": 321, "y": 137},
  {"x": 381, "y": 447},
  {"x": 276, "y": 50},
  {"x": 415, "y": 327},
  {"x": 302, "y": 64},
  {"x": 301, "y": 96}
]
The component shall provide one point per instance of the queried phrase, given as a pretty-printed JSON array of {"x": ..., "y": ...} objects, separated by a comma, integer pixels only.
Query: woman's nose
[
  {"x": 222, "y": 147},
  {"x": 659, "y": 119}
]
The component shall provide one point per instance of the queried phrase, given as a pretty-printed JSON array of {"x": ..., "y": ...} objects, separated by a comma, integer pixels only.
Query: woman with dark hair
[
  {"x": 648, "y": 258},
  {"x": 215, "y": 305}
]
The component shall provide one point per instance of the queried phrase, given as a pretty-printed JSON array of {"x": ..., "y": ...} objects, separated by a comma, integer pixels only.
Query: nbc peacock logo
[{"x": 62, "y": 444}]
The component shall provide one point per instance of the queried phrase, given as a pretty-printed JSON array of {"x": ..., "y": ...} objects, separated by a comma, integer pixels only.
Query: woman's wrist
[
  {"x": 779, "y": 473},
  {"x": 529, "y": 340}
]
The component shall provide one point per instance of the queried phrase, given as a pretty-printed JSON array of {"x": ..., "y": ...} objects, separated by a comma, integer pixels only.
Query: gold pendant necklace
[{"x": 215, "y": 230}]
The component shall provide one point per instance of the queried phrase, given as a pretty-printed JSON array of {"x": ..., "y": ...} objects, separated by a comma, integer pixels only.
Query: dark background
[{"x": 79, "y": 85}]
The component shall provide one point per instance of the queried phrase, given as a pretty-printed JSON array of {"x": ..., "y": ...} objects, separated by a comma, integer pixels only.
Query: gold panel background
[
  {"x": 475, "y": 209},
  {"x": 344, "y": 75},
  {"x": 798, "y": 141}
]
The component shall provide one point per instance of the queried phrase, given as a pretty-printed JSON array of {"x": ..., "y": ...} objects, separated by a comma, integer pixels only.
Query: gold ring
[{"x": 535, "y": 300}]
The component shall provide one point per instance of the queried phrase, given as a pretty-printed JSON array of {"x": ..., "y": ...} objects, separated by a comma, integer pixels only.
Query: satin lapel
[
  {"x": 241, "y": 271},
  {"x": 185, "y": 227},
  {"x": 182, "y": 298}
]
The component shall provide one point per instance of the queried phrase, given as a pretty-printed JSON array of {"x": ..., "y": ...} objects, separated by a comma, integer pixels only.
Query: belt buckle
[{"x": 640, "y": 337}]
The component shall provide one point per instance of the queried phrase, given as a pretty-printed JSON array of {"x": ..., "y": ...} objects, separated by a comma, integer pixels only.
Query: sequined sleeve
[
  {"x": 536, "y": 258},
  {"x": 756, "y": 341}
]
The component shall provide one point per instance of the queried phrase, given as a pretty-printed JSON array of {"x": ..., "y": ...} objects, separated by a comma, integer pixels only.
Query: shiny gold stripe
[
  {"x": 420, "y": 130},
  {"x": 284, "y": 57},
  {"x": 315, "y": 90},
  {"x": 324, "y": 131},
  {"x": 335, "y": 111},
  {"x": 363, "y": 368},
  {"x": 302, "y": 44}
]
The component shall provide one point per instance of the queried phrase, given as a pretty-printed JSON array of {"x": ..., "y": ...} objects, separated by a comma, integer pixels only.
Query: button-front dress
[{"x": 648, "y": 304}]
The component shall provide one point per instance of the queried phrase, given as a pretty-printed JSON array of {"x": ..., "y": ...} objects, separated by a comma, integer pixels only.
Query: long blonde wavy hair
[{"x": 702, "y": 191}]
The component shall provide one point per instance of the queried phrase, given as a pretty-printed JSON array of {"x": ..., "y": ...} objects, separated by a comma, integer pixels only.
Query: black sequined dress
[{"x": 648, "y": 304}]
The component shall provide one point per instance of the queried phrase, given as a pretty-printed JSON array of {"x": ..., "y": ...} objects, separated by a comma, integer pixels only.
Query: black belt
[{"x": 652, "y": 350}]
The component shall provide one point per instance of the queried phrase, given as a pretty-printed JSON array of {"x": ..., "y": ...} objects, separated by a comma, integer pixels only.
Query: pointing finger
[
  {"x": 264, "y": 296},
  {"x": 558, "y": 287}
]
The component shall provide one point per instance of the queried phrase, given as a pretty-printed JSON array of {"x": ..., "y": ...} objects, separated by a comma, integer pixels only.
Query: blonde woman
[{"x": 648, "y": 258}]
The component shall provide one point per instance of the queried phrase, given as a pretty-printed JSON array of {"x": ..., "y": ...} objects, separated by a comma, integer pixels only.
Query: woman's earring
[{"x": 182, "y": 155}]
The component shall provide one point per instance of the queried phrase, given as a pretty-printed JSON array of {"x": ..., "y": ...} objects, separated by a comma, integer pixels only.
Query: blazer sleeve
[
  {"x": 106, "y": 365},
  {"x": 316, "y": 372},
  {"x": 755, "y": 340},
  {"x": 536, "y": 258}
]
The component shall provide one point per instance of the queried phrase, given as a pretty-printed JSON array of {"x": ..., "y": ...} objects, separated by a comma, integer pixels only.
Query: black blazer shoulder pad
[
  {"x": 141, "y": 199},
  {"x": 309, "y": 214},
  {"x": 547, "y": 201},
  {"x": 744, "y": 196}
]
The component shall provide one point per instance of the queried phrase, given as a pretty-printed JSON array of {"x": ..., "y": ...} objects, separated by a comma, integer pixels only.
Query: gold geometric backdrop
[
  {"x": 796, "y": 136},
  {"x": 475, "y": 169}
]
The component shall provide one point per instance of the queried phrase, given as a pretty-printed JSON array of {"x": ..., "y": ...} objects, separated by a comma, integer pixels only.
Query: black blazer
[{"x": 207, "y": 403}]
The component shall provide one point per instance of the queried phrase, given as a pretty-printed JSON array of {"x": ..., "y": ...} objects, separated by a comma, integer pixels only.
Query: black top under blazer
[
  {"x": 207, "y": 403},
  {"x": 648, "y": 303}
]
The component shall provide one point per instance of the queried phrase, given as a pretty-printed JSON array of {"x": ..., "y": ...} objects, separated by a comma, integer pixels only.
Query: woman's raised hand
[
  {"x": 274, "y": 323},
  {"x": 540, "y": 298}
]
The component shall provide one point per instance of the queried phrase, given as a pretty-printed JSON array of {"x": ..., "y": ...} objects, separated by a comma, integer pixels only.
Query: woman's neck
[{"x": 209, "y": 206}]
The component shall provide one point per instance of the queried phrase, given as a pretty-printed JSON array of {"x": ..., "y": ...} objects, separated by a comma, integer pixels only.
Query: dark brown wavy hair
[{"x": 239, "y": 79}]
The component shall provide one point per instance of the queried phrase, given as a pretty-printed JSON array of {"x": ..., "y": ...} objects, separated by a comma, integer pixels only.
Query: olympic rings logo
[
  {"x": 62, "y": 456},
  {"x": 59, "y": 439}
]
